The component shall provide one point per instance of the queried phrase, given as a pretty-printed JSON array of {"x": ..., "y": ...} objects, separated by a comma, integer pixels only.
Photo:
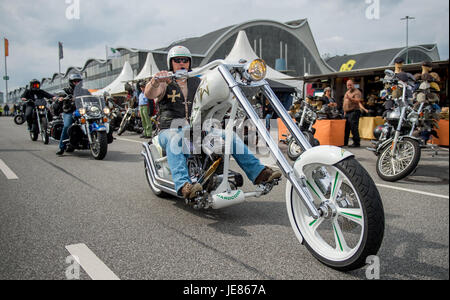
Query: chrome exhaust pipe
[{"x": 157, "y": 181}]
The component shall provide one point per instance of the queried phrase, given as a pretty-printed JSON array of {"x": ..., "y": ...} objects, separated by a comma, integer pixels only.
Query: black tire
[
  {"x": 384, "y": 163},
  {"x": 158, "y": 193},
  {"x": 44, "y": 132},
  {"x": 292, "y": 152},
  {"x": 373, "y": 221},
  {"x": 310, "y": 136},
  {"x": 99, "y": 147},
  {"x": 123, "y": 125},
  {"x": 34, "y": 133},
  {"x": 19, "y": 119}
]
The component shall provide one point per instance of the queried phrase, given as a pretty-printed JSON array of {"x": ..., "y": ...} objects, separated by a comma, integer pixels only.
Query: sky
[{"x": 85, "y": 27}]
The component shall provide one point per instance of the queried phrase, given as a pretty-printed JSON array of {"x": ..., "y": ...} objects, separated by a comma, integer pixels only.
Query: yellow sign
[{"x": 348, "y": 66}]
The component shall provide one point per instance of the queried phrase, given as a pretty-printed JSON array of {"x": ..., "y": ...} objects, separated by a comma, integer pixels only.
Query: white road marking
[
  {"x": 412, "y": 191},
  {"x": 7, "y": 171},
  {"x": 93, "y": 266},
  {"x": 128, "y": 140}
]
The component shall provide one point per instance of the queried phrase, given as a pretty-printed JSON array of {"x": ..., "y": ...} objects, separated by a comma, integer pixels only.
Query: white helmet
[{"x": 178, "y": 51}]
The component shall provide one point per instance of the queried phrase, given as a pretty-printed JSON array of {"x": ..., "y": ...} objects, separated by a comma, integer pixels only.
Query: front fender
[
  {"x": 95, "y": 127},
  {"x": 327, "y": 155}
]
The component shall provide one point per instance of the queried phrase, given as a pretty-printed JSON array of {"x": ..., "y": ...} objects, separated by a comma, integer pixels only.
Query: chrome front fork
[{"x": 297, "y": 182}]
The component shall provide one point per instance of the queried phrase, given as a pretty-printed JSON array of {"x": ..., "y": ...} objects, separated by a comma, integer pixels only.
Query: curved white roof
[
  {"x": 243, "y": 50},
  {"x": 118, "y": 85},
  {"x": 148, "y": 69}
]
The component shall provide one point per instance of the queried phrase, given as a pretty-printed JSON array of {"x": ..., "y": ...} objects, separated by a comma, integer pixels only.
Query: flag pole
[{"x": 6, "y": 68}]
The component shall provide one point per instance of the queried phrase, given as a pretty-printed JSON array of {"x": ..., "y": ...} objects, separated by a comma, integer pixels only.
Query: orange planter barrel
[{"x": 442, "y": 133}]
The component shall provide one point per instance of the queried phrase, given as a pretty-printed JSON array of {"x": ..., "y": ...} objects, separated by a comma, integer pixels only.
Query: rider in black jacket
[
  {"x": 33, "y": 93},
  {"x": 67, "y": 106}
]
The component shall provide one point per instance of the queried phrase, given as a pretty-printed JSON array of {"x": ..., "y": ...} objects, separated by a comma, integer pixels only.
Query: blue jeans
[
  {"x": 172, "y": 141},
  {"x": 68, "y": 121}
]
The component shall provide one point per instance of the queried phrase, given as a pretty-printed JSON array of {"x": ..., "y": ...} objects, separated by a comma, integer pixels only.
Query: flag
[
  {"x": 112, "y": 52},
  {"x": 6, "y": 47},
  {"x": 61, "y": 54}
]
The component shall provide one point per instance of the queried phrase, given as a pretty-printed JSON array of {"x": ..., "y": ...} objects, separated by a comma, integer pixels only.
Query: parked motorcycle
[
  {"x": 398, "y": 150},
  {"x": 305, "y": 119},
  {"x": 40, "y": 120},
  {"x": 333, "y": 204},
  {"x": 131, "y": 122},
  {"x": 91, "y": 127},
  {"x": 115, "y": 116}
]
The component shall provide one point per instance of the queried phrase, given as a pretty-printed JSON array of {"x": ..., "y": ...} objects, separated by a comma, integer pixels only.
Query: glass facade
[{"x": 266, "y": 41}]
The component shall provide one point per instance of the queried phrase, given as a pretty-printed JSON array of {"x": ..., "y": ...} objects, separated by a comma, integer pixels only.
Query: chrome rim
[{"x": 392, "y": 165}]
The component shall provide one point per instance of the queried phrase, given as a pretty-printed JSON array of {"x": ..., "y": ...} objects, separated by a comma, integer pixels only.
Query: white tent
[
  {"x": 118, "y": 85},
  {"x": 243, "y": 50},
  {"x": 149, "y": 69}
]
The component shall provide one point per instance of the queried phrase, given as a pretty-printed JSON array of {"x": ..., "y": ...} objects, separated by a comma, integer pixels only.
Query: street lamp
[{"x": 407, "y": 18}]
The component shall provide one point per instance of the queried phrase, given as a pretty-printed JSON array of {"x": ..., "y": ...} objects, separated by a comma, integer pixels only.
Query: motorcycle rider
[
  {"x": 175, "y": 102},
  {"x": 67, "y": 106},
  {"x": 34, "y": 92}
]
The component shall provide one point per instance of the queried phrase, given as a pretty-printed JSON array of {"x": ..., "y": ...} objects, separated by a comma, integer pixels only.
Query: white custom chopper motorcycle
[{"x": 333, "y": 204}]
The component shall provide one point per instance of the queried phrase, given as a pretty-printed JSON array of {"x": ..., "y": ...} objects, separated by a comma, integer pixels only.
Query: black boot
[{"x": 60, "y": 152}]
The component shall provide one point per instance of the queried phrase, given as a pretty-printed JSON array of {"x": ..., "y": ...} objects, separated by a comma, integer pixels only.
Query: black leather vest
[{"x": 172, "y": 105}]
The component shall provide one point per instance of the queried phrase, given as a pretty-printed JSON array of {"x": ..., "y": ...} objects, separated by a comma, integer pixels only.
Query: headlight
[
  {"x": 82, "y": 111},
  {"x": 94, "y": 109},
  {"x": 41, "y": 107},
  {"x": 413, "y": 117},
  {"x": 106, "y": 110},
  {"x": 256, "y": 70}
]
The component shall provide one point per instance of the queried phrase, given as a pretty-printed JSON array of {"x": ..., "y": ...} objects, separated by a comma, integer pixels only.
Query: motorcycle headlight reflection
[{"x": 107, "y": 111}]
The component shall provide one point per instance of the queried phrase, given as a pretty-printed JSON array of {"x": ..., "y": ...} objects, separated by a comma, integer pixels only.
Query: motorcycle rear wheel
[
  {"x": 354, "y": 229},
  {"x": 19, "y": 119},
  {"x": 406, "y": 160}
]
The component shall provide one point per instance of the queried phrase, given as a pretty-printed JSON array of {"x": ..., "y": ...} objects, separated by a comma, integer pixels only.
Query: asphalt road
[{"x": 107, "y": 206}]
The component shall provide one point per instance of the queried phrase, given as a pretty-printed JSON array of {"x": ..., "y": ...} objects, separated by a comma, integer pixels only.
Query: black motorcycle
[
  {"x": 131, "y": 122},
  {"x": 305, "y": 119},
  {"x": 40, "y": 116}
]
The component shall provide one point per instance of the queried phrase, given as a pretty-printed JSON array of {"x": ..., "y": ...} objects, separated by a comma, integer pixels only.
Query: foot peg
[{"x": 266, "y": 187}]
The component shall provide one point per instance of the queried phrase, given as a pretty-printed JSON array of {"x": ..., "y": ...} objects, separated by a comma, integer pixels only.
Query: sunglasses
[{"x": 183, "y": 60}]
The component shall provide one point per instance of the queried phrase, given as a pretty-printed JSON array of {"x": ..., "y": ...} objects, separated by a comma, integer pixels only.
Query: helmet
[
  {"x": 35, "y": 85},
  {"x": 178, "y": 51},
  {"x": 74, "y": 78}
]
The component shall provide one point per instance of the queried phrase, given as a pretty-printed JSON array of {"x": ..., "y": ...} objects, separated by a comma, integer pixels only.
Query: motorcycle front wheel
[
  {"x": 294, "y": 150},
  {"x": 99, "y": 146},
  {"x": 402, "y": 163},
  {"x": 123, "y": 125},
  {"x": 353, "y": 228},
  {"x": 44, "y": 133},
  {"x": 34, "y": 133}
]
